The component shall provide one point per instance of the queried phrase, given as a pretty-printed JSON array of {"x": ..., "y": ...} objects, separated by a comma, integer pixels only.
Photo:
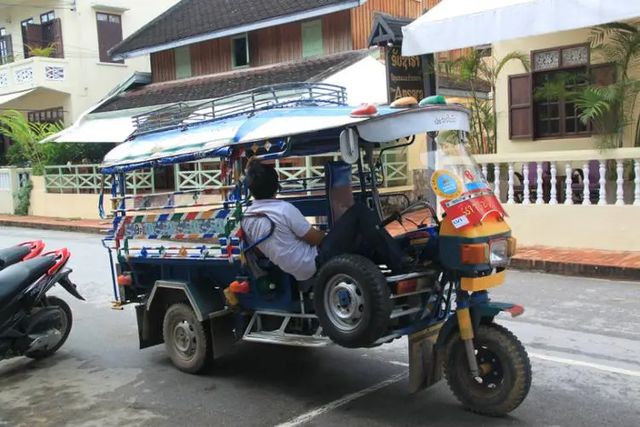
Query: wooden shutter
[
  {"x": 33, "y": 37},
  {"x": 520, "y": 107},
  {"x": 55, "y": 29},
  {"x": 604, "y": 75},
  {"x": 109, "y": 35}
]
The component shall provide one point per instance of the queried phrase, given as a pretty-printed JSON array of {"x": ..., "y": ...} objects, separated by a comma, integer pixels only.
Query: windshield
[{"x": 446, "y": 178}]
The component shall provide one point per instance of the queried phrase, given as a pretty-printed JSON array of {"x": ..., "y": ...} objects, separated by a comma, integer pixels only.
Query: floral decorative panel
[
  {"x": 24, "y": 75},
  {"x": 4, "y": 79},
  {"x": 575, "y": 56},
  {"x": 54, "y": 73},
  {"x": 546, "y": 60}
]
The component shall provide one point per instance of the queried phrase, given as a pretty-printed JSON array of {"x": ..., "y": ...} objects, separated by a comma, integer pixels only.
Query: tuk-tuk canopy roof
[{"x": 293, "y": 125}]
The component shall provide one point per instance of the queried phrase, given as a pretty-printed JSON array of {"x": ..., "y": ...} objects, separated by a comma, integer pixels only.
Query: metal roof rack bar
[{"x": 182, "y": 115}]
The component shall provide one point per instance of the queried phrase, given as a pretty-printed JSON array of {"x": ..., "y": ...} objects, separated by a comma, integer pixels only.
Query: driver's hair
[{"x": 261, "y": 179}]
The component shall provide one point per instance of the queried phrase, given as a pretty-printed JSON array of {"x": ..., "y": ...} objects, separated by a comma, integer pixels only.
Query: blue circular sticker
[{"x": 445, "y": 184}]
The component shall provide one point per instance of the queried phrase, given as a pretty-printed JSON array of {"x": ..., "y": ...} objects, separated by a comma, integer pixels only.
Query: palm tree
[
  {"x": 26, "y": 137},
  {"x": 473, "y": 68},
  {"x": 610, "y": 108}
]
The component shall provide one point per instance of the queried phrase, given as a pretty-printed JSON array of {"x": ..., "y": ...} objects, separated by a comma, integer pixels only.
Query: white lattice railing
[
  {"x": 585, "y": 177},
  {"x": 34, "y": 72},
  {"x": 88, "y": 179},
  {"x": 310, "y": 169},
  {"x": 197, "y": 175}
]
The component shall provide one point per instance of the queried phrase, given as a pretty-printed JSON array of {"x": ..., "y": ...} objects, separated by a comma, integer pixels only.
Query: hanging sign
[{"x": 404, "y": 75}]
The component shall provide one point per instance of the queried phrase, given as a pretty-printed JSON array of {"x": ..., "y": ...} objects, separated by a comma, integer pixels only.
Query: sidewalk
[{"x": 572, "y": 262}]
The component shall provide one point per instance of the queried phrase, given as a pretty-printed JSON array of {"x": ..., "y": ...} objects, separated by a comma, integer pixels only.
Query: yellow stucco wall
[
  {"x": 576, "y": 226},
  {"x": 61, "y": 205},
  {"x": 526, "y": 45}
]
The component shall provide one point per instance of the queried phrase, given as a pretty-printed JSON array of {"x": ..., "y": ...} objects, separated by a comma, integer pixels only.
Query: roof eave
[{"x": 300, "y": 16}]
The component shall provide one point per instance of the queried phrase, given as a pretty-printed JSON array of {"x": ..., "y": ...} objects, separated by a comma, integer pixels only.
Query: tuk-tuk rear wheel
[
  {"x": 186, "y": 339},
  {"x": 505, "y": 370}
]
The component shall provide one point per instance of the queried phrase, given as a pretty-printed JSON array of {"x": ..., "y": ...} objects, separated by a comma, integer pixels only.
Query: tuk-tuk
[{"x": 200, "y": 287}]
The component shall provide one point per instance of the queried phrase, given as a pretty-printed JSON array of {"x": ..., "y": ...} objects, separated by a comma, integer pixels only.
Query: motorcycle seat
[
  {"x": 18, "y": 277},
  {"x": 12, "y": 255}
]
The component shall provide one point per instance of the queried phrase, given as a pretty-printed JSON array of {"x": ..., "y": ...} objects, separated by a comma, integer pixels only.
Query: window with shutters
[
  {"x": 109, "y": 34},
  {"x": 540, "y": 103},
  {"x": 27, "y": 38},
  {"x": 6, "y": 48},
  {"x": 46, "y": 17},
  {"x": 312, "y": 39},
  {"x": 51, "y": 115},
  {"x": 183, "y": 62},
  {"x": 240, "y": 51}
]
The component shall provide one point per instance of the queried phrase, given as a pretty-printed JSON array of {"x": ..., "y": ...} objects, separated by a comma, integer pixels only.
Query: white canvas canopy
[{"x": 455, "y": 24}]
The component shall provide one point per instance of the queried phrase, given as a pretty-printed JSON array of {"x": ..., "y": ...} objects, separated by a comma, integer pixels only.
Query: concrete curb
[
  {"x": 575, "y": 269},
  {"x": 52, "y": 226}
]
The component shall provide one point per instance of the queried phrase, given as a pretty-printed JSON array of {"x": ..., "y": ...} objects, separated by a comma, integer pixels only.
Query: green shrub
[{"x": 22, "y": 199}]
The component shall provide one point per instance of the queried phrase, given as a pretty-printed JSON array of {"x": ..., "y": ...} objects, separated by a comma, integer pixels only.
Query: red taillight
[
  {"x": 238, "y": 287},
  {"x": 124, "y": 280},
  {"x": 515, "y": 310},
  {"x": 406, "y": 286}
]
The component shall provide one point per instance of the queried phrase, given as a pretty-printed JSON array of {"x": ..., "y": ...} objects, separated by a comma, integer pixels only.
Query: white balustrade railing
[{"x": 581, "y": 177}]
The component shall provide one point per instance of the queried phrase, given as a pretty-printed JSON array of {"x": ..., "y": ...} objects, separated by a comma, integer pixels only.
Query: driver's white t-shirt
[{"x": 285, "y": 247}]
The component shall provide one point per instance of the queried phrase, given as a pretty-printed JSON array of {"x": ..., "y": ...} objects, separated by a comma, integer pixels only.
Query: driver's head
[{"x": 261, "y": 179}]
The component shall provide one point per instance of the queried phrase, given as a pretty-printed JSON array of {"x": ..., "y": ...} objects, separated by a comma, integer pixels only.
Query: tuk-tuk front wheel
[
  {"x": 186, "y": 340},
  {"x": 505, "y": 371}
]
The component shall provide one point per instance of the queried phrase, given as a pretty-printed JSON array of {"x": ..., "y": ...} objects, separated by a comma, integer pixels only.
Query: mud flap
[{"x": 425, "y": 368}]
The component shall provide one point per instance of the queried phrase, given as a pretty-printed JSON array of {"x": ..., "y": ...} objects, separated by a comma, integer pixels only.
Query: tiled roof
[
  {"x": 222, "y": 84},
  {"x": 191, "y": 18}
]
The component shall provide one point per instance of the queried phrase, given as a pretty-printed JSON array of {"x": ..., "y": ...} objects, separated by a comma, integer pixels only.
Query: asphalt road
[{"x": 583, "y": 337}]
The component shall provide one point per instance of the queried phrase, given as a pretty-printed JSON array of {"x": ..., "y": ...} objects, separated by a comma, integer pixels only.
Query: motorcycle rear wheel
[
  {"x": 64, "y": 327},
  {"x": 505, "y": 370}
]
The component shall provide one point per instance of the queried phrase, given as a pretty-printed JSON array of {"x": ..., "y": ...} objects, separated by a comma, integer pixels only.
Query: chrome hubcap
[{"x": 344, "y": 302}]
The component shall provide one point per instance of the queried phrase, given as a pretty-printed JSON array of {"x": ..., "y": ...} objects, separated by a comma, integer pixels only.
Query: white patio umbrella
[{"x": 454, "y": 24}]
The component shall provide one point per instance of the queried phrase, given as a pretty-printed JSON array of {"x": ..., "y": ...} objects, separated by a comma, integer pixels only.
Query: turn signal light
[
  {"x": 238, "y": 287},
  {"x": 511, "y": 246},
  {"x": 474, "y": 253}
]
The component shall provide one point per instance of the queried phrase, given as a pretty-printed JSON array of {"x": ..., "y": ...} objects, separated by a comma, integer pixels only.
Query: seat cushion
[
  {"x": 9, "y": 256},
  {"x": 19, "y": 276}
]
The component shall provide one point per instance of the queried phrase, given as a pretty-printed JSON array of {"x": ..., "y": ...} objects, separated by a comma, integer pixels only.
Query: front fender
[{"x": 480, "y": 313}]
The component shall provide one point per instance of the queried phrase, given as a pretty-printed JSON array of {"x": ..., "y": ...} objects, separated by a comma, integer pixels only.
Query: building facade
[
  {"x": 527, "y": 123},
  {"x": 53, "y": 55}
]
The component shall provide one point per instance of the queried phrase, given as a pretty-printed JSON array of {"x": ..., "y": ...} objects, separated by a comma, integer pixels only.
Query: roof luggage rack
[{"x": 181, "y": 115}]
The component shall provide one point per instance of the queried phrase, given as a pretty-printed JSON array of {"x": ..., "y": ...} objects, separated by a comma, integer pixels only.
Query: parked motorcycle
[
  {"x": 33, "y": 323},
  {"x": 21, "y": 252}
]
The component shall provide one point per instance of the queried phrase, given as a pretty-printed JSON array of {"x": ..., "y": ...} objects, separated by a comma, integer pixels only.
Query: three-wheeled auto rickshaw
[{"x": 200, "y": 287}]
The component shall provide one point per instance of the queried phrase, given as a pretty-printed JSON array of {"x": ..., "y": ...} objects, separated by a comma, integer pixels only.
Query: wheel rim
[
  {"x": 344, "y": 302},
  {"x": 492, "y": 376},
  {"x": 184, "y": 339}
]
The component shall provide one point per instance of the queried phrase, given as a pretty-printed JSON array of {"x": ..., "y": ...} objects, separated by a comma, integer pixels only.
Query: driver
[{"x": 295, "y": 245}]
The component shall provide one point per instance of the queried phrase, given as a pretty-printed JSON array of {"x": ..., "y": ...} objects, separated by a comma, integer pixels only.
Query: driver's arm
[
  {"x": 301, "y": 227},
  {"x": 313, "y": 236}
]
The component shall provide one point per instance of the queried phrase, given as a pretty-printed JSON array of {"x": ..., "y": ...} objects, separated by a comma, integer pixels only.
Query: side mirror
[{"x": 349, "y": 148}]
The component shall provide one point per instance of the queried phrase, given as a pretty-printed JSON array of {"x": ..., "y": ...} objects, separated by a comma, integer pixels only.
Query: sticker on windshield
[
  {"x": 445, "y": 184},
  {"x": 461, "y": 221}
]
